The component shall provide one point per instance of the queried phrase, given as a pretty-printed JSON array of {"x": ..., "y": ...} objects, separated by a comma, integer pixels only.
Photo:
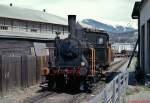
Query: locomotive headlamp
[
  {"x": 82, "y": 64},
  {"x": 45, "y": 71}
]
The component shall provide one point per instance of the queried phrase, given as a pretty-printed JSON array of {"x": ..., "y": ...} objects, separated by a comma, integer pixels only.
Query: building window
[
  {"x": 65, "y": 29},
  {"x": 23, "y": 24},
  {"x": 55, "y": 28},
  {"x": 49, "y": 27},
  {"x": 2, "y": 21},
  {"x": 3, "y": 27},
  {"x": 16, "y": 23},
  {"x": 8, "y": 22},
  {"x": 33, "y": 27},
  {"x": 43, "y": 27},
  {"x": 52, "y": 29},
  {"x": 61, "y": 29},
  {"x": 33, "y": 30}
]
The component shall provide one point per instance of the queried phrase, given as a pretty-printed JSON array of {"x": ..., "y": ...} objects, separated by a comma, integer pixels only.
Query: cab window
[{"x": 100, "y": 41}]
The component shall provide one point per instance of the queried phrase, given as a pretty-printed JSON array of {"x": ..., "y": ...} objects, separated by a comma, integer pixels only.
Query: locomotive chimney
[
  {"x": 11, "y": 4},
  {"x": 72, "y": 25}
]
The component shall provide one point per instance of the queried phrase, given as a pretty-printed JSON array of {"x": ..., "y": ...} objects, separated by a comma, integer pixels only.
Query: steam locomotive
[{"x": 79, "y": 61}]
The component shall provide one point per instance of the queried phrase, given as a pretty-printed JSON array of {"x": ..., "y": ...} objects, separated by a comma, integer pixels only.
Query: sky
[{"x": 115, "y": 12}]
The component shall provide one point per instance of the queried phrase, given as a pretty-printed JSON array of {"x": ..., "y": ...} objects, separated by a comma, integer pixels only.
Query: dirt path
[{"x": 63, "y": 97}]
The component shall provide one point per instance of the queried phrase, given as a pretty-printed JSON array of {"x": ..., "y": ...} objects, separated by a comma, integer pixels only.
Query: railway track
[
  {"x": 113, "y": 71},
  {"x": 40, "y": 97},
  {"x": 65, "y": 97},
  {"x": 114, "y": 67}
]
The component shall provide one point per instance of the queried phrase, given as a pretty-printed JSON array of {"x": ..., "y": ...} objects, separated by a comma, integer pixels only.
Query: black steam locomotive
[{"x": 78, "y": 61}]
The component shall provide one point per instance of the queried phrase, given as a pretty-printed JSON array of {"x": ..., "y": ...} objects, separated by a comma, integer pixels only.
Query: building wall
[
  {"x": 27, "y": 30},
  {"x": 145, "y": 37},
  {"x": 118, "y": 47},
  {"x": 32, "y": 29},
  {"x": 15, "y": 47}
]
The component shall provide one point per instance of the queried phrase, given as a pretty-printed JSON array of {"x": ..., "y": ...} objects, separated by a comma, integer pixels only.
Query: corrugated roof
[{"x": 30, "y": 15}]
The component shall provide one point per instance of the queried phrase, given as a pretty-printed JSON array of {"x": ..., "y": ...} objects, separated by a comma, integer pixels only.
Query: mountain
[
  {"x": 118, "y": 33},
  {"x": 107, "y": 27},
  {"x": 125, "y": 37}
]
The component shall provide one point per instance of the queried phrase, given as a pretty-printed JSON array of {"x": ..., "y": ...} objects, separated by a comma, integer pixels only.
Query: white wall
[
  {"x": 122, "y": 46},
  {"x": 40, "y": 49}
]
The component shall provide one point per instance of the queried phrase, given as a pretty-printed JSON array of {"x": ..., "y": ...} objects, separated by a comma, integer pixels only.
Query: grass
[
  {"x": 147, "y": 88},
  {"x": 136, "y": 89},
  {"x": 133, "y": 65},
  {"x": 132, "y": 90}
]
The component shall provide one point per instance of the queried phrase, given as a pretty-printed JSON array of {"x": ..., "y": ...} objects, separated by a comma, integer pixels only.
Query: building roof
[
  {"x": 136, "y": 10},
  {"x": 30, "y": 15}
]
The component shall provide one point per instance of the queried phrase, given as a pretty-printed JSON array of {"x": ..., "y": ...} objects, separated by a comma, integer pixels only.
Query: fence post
[
  {"x": 127, "y": 78},
  {"x": 114, "y": 91},
  {"x": 1, "y": 89},
  {"x": 124, "y": 86},
  {"x": 105, "y": 96},
  {"x": 125, "y": 82},
  {"x": 119, "y": 86}
]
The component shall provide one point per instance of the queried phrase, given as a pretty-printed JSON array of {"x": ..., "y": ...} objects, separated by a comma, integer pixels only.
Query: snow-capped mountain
[
  {"x": 118, "y": 33},
  {"x": 107, "y": 27}
]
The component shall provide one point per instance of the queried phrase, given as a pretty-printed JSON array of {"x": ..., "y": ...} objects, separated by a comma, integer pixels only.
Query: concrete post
[
  {"x": 105, "y": 96},
  {"x": 114, "y": 91},
  {"x": 119, "y": 85}
]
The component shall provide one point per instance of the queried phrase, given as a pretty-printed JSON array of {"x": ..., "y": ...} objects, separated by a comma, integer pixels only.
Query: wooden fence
[
  {"x": 20, "y": 72},
  {"x": 114, "y": 92}
]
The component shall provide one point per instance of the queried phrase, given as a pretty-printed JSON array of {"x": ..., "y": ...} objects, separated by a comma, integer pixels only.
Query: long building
[
  {"x": 118, "y": 47},
  {"x": 26, "y": 31},
  {"x": 141, "y": 12}
]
